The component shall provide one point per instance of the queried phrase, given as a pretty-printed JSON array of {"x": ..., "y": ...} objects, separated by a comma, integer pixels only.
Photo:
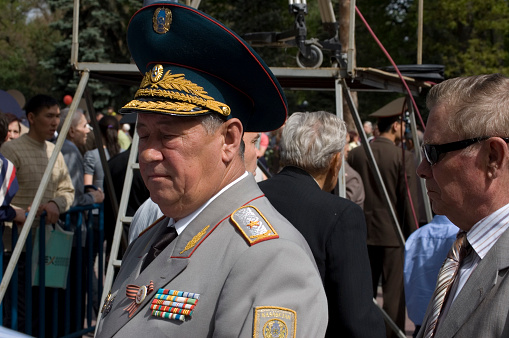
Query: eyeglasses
[{"x": 432, "y": 152}]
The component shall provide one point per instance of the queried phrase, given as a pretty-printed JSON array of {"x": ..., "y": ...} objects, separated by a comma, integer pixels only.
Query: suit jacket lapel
[{"x": 482, "y": 280}]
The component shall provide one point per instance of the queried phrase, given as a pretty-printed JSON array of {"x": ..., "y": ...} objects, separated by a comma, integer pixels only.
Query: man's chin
[{"x": 437, "y": 209}]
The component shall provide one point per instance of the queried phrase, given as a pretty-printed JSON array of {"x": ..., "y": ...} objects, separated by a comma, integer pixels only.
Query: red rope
[
  {"x": 393, "y": 64},
  {"x": 413, "y": 102}
]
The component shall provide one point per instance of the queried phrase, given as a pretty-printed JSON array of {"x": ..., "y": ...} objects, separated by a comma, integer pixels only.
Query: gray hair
[
  {"x": 75, "y": 118},
  {"x": 478, "y": 105},
  {"x": 310, "y": 140},
  {"x": 213, "y": 121}
]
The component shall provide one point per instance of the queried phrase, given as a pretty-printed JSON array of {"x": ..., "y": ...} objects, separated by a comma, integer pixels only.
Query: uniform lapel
[
  {"x": 221, "y": 208},
  {"x": 482, "y": 280},
  {"x": 161, "y": 271}
]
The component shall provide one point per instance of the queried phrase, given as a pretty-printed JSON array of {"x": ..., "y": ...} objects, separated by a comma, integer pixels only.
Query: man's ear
[
  {"x": 336, "y": 163},
  {"x": 70, "y": 133},
  {"x": 395, "y": 125},
  {"x": 30, "y": 117},
  {"x": 331, "y": 179},
  {"x": 232, "y": 137},
  {"x": 497, "y": 155}
]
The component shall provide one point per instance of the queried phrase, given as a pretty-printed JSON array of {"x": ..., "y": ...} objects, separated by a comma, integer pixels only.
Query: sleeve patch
[
  {"x": 253, "y": 225},
  {"x": 274, "y": 322}
]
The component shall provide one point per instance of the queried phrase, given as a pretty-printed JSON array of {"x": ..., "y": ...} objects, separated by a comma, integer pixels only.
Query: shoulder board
[{"x": 253, "y": 225}]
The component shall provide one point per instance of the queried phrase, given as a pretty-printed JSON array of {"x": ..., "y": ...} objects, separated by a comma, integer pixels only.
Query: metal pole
[
  {"x": 75, "y": 31},
  {"x": 339, "y": 113},
  {"x": 132, "y": 163},
  {"x": 195, "y": 3},
  {"x": 419, "y": 31},
  {"x": 42, "y": 187},
  {"x": 389, "y": 320},
  {"x": 371, "y": 159},
  {"x": 351, "y": 41},
  {"x": 418, "y": 153}
]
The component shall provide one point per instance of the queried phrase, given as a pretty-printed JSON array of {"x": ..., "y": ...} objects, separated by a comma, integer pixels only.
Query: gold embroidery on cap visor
[
  {"x": 162, "y": 20},
  {"x": 184, "y": 97}
]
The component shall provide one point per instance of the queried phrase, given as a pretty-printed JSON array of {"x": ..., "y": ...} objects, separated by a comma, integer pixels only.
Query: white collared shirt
[
  {"x": 482, "y": 237},
  {"x": 181, "y": 224}
]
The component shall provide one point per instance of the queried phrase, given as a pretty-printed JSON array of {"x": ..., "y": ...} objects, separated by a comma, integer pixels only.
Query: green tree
[
  {"x": 468, "y": 36},
  {"x": 102, "y": 31},
  {"x": 25, "y": 38},
  {"x": 394, "y": 23}
]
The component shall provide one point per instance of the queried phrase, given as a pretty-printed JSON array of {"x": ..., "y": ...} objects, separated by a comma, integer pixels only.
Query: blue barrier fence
[{"x": 56, "y": 312}]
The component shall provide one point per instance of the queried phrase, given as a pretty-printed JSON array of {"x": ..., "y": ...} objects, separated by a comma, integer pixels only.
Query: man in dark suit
[
  {"x": 466, "y": 167},
  {"x": 397, "y": 169},
  {"x": 311, "y": 151}
]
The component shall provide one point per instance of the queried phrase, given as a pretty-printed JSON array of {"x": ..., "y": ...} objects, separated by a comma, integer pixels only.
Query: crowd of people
[
  {"x": 26, "y": 156},
  {"x": 237, "y": 230}
]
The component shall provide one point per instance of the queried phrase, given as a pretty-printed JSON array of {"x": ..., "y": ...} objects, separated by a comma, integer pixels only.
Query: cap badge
[
  {"x": 186, "y": 96},
  {"x": 157, "y": 73},
  {"x": 162, "y": 20}
]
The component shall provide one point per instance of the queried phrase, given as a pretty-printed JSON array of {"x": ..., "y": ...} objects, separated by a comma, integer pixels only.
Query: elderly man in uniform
[
  {"x": 234, "y": 267},
  {"x": 466, "y": 168}
]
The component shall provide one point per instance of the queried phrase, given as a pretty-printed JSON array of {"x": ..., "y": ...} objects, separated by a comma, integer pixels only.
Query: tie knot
[
  {"x": 166, "y": 237},
  {"x": 459, "y": 248}
]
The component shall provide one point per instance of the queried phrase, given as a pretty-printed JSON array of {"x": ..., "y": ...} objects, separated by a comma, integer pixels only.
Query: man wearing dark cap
[
  {"x": 223, "y": 262},
  {"x": 397, "y": 169}
]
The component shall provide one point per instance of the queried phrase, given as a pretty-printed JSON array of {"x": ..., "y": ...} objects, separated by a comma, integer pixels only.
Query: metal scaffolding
[{"x": 342, "y": 79}]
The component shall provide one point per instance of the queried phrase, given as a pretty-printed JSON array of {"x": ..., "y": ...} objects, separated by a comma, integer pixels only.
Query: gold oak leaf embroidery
[{"x": 195, "y": 239}]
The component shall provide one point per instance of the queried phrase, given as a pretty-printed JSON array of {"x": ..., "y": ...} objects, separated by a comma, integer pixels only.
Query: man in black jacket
[{"x": 335, "y": 229}]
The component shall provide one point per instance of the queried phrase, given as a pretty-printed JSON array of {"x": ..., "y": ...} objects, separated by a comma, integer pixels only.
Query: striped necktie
[{"x": 445, "y": 280}]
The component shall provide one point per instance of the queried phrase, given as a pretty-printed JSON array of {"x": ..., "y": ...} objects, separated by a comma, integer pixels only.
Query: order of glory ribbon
[
  {"x": 137, "y": 294},
  {"x": 174, "y": 304}
]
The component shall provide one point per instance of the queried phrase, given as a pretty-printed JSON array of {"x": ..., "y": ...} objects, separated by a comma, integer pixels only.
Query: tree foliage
[
  {"x": 101, "y": 39},
  {"x": 25, "y": 39},
  {"x": 247, "y": 16},
  {"x": 469, "y": 37},
  {"x": 466, "y": 36}
]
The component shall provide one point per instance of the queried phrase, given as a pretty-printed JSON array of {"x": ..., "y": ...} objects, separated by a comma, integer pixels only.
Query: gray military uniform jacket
[{"x": 253, "y": 271}]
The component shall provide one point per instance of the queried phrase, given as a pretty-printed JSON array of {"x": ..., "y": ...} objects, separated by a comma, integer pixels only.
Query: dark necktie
[{"x": 167, "y": 236}]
